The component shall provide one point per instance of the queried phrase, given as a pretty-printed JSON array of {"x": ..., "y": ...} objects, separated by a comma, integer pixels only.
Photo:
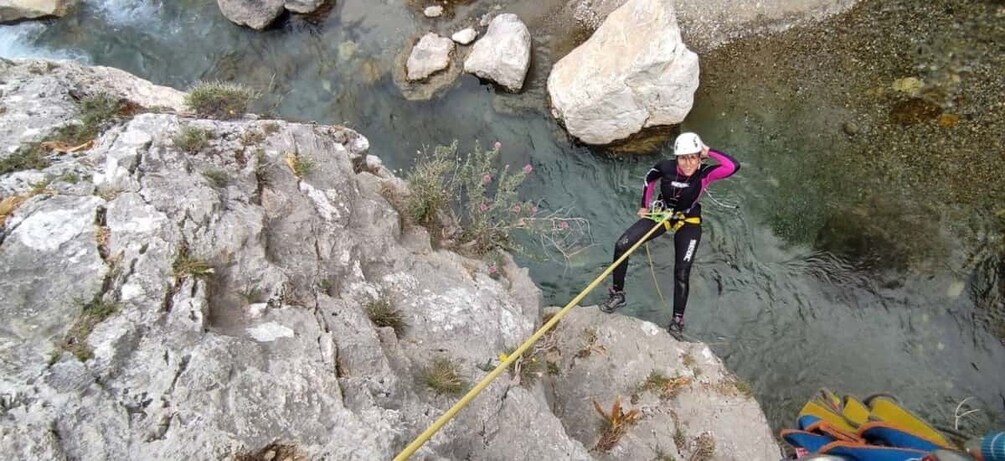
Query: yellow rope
[
  {"x": 653, "y": 272},
  {"x": 446, "y": 417}
]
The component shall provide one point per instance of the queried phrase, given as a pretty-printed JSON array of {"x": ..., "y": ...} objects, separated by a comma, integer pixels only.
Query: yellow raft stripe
[
  {"x": 819, "y": 410},
  {"x": 887, "y": 410},
  {"x": 854, "y": 410}
]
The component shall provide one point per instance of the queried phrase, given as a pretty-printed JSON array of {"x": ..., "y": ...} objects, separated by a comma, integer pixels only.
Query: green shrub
[
  {"x": 430, "y": 191},
  {"x": 482, "y": 198},
  {"x": 220, "y": 100}
]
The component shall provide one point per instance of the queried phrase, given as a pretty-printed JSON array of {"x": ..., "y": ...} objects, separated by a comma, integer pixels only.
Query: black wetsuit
[{"x": 678, "y": 193}]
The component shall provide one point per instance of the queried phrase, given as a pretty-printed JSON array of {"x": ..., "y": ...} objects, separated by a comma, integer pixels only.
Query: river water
[{"x": 787, "y": 288}]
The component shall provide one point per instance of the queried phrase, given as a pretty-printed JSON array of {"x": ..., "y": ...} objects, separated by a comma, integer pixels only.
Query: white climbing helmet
[{"x": 686, "y": 144}]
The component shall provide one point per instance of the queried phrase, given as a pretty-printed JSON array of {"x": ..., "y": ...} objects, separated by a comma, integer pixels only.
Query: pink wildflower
[
  {"x": 564, "y": 225},
  {"x": 527, "y": 168},
  {"x": 483, "y": 207},
  {"x": 533, "y": 210},
  {"x": 516, "y": 208},
  {"x": 492, "y": 269},
  {"x": 497, "y": 145},
  {"x": 486, "y": 179}
]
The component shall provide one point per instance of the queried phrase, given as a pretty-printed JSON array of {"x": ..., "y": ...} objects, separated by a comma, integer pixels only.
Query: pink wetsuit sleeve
[
  {"x": 647, "y": 193},
  {"x": 649, "y": 185},
  {"x": 726, "y": 167}
]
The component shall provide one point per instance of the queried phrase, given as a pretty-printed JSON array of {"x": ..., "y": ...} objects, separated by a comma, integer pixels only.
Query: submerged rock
[{"x": 429, "y": 56}]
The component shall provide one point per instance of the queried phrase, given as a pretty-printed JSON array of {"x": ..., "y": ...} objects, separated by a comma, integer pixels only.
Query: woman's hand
[
  {"x": 643, "y": 212},
  {"x": 704, "y": 151}
]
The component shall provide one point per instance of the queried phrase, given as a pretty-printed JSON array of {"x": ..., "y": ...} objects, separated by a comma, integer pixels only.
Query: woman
[{"x": 682, "y": 180}]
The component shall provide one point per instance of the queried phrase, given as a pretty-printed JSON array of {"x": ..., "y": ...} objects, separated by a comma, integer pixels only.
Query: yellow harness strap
[{"x": 680, "y": 221}]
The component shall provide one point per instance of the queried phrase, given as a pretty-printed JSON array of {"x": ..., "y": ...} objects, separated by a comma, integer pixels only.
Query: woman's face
[{"x": 688, "y": 164}]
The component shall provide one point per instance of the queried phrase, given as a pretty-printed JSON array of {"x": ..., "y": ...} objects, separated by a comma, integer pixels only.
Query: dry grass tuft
[
  {"x": 383, "y": 314},
  {"x": 443, "y": 377}
]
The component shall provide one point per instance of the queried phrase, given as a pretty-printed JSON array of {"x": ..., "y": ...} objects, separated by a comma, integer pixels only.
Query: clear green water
[{"x": 787, "y": 314}]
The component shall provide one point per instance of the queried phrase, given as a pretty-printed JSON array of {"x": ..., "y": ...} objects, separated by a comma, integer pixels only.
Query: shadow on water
[{"x": 854, "y": 260}]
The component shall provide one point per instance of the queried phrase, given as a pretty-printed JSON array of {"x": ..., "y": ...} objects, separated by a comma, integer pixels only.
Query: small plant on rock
[
  {"x": 666, "y": 387},
  {"x": 383, "y": 314},
  {"x": 590, "y": 345},
  {"x": 678, "y": 434},
  {"x": 192, "y": 139},
  {"x": 28, "y": 157},
  {"x": 188, "y": 266},
  {"x": 270, "y": 128},
  {"x": 8, "y": 205},
  {"x": 526, "y": 368},
  {"x": 443, "y": 377},
  {"x": 615, "y": 424},
  {"x": 92, "y": 314},
  {"x": 220, "y": 100},
  {"x": 704, "y": 447},
  {"x": 301, "y": 165},
  {"x": 218, "y": 178},
  {"x": 275, "y": 451}
]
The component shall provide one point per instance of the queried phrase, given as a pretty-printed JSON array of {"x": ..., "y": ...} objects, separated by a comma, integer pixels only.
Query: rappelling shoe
[
  {"x": 676, "y": 327},
  {"x": 614, "y": 302}
]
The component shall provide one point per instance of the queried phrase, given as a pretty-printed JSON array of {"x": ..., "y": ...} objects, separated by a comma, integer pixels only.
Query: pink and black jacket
[{"x": 681, "y": 193}]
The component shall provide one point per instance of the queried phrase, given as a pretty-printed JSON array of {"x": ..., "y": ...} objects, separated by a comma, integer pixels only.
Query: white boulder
[
  {"x": 633, "y": 73},
  {"x": 503, "y": 54}
]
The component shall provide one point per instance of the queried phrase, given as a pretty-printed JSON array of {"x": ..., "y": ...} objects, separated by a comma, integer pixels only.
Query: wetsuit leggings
[{"x": 685, "y": 242}]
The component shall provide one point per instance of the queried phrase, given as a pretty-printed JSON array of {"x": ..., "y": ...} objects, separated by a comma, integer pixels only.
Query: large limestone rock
[
  {"x": 711, "y": 23},
  {"x": 256, "y": 14},
  {"x": 429, "y": 56},
  {"x": 704, "y": 401},
  {"x": 633, "y": 73},
  {"x": 234, "y": 298},
  {"x": 503, "y": 53},
  {"x": 44, "y": 91},
  {"x": 19, "y": 10}
]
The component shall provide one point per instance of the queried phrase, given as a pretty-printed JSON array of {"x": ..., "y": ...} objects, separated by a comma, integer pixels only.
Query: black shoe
[
  {"x": 676, "y": 327},
  {"x": 615, "y": 302}
]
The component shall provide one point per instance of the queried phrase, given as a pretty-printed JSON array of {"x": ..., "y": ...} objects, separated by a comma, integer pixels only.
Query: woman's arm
[
  {"x": 726, "y": 167},
  {"x": 649, "y": 184}
]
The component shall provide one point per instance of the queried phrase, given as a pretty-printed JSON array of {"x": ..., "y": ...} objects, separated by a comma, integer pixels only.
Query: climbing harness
[
  {"x": 672, "y": 220},
  {"x": 513, "y": 356}
]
